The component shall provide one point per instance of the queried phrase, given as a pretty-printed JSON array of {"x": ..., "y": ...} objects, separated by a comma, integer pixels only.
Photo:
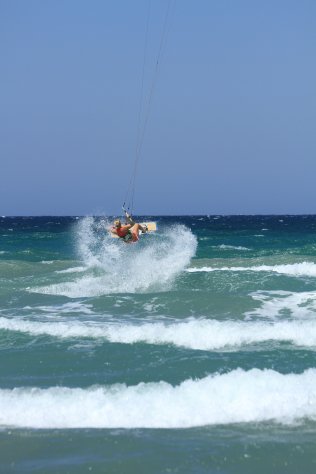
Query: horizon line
[{"x": 155, "y": 215}]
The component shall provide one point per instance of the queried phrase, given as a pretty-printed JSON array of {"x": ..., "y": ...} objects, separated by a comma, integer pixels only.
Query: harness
[{"x": 127, "y": 237}]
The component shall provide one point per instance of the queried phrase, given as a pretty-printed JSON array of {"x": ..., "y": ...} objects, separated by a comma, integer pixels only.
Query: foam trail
[
  {"x": 114, "y": 267},
  {"x": 284, "y": 303},
  {"x": 295, "y": 269},
  {"x": 72, "y": 270},
  {"x": 230, "y": 247},
  {"x": 236, "y": 397},
  {"x": 73, "y": 307},
  {"x": 200, "y": 334}
]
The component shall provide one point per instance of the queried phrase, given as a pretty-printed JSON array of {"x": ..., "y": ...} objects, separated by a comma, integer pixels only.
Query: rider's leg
[{"x": 135, "y": 232}]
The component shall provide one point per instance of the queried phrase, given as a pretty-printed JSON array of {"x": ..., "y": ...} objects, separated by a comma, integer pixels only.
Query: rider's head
[{"x": 117, "y": 223}]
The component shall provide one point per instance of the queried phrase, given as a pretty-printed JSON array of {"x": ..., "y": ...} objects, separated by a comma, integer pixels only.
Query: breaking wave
[
  {"x": 202, "y": 334},
  {"x": 236, "y": 397}
]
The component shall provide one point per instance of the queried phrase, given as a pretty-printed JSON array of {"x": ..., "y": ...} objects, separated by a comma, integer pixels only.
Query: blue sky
[{"x": 232, "y": 121}]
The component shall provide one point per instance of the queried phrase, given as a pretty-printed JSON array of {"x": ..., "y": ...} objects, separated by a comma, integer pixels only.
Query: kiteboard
[{"x": 151, "y": 226}]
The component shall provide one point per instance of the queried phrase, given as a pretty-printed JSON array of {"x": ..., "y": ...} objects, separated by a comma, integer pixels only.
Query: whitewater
[{"x": 235, "y": 397}]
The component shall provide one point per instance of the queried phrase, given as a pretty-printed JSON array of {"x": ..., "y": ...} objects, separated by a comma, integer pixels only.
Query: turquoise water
[{"x": 192, "y": 351}]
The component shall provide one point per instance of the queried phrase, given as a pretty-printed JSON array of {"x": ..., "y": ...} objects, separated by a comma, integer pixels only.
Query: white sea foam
[
  {"x": 232, "y": 247},
  {"x": 66, "y": 308},
  {"x": 236, "y": 397},
  {"x": 295, "y": 269},
  {"x": 72, "y": 270},
  {"x": 201, "y": 334},
  {"x": 114, "y": 267},
  {"x": 284, "y": 303}
]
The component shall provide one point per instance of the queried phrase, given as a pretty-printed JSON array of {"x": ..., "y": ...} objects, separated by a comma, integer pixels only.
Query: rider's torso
[{"x": 121, "y": 232}]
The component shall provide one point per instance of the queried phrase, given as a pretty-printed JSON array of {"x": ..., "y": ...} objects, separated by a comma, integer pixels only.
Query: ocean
[{"x": 192, "y": 351}]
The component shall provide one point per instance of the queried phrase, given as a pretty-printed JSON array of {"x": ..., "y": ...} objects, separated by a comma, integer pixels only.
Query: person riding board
[{"x": 130, "y": 231}]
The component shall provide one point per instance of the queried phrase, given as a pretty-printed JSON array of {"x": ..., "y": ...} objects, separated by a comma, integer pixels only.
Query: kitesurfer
[{"x": 129, "y": 232}]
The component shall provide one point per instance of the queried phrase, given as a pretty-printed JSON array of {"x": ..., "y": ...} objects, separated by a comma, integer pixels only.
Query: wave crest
[
  {"x": 236, "y": 397},
  {"x": 193, "y": 334}
]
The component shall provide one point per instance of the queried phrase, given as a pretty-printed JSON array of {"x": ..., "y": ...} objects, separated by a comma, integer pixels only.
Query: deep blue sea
[{"x": 192, "y": 351}]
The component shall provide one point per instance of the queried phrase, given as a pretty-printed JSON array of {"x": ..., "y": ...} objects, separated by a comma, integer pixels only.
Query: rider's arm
[{"x": 130, "y": 219}]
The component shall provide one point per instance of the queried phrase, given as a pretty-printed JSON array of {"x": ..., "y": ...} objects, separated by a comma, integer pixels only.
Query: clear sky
[{"x": 232, "y": 121}]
